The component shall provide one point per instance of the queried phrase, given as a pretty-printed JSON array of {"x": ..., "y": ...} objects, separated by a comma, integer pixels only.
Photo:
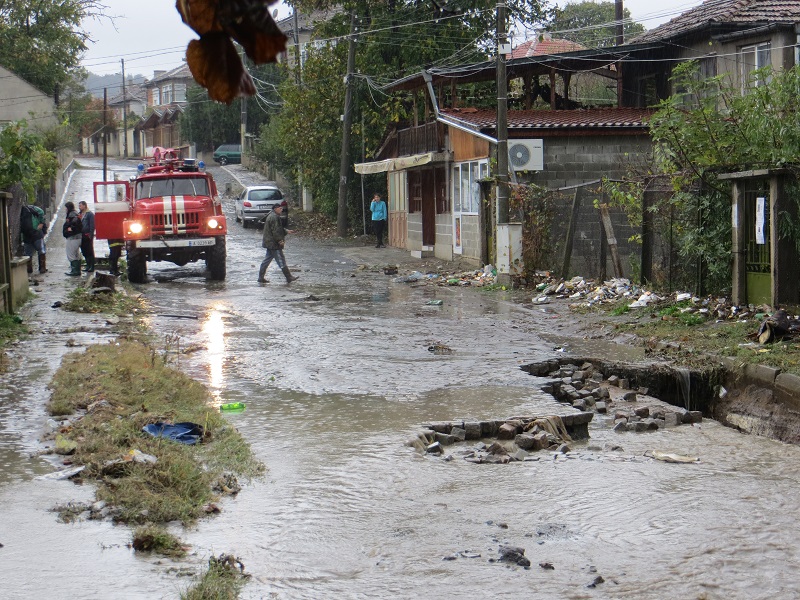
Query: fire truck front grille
[{"x": 184, "y": 221}]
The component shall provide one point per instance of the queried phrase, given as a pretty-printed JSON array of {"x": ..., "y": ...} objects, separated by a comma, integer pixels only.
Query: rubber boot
[
  {"x": 89, "y": 266},
  {"x": 30, "y": 265},
  {"x": 43, "y": 263},
  {"x": 288, "y": 274},
  {"x": 75, "y": 268}
]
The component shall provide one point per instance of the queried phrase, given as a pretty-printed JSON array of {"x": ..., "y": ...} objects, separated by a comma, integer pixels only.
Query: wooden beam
[
  {"x": 612, "y": 240},
  {"x": 552, "y": 89}
]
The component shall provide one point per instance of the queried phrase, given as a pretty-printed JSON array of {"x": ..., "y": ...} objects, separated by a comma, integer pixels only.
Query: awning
[
  {"x": 402, "y": 163},
  {"x": 379, "y": 166}
]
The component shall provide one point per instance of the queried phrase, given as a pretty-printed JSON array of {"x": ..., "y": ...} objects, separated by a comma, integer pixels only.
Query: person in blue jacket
[{"x": 378, "y": 209}]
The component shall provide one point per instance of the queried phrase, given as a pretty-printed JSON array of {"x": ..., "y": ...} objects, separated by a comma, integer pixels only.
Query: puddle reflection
[{"x": 214, "y": 330}]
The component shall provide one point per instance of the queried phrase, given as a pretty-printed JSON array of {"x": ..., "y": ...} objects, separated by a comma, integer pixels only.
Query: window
[
  {"x": 166, "y": 94},
  {"x": 466, "y": 186},
  {"x": 156, "y": 97},
  {"x": 180, "y": 92},
  {"x": 751, "y": 58}
]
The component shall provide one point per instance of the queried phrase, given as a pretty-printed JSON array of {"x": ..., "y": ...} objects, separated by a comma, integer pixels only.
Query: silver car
[{"x": 255, "y": 202}]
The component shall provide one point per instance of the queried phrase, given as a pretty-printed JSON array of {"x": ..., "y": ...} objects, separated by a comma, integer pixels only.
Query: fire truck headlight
[
  {"x": 213, "y": 223},
  {"x": 135, "y": 228}
]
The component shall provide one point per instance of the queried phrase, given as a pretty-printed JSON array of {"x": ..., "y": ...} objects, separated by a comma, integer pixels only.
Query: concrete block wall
[
  {"x": 443, "y": 249},
  {"x": 414, "y": 236},
  {"x": 470, "y": 237},
  {"x": 573, "y": 161}
]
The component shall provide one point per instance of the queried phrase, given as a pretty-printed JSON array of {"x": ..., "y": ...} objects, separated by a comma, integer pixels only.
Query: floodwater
[{"x": 337, "y": 377}]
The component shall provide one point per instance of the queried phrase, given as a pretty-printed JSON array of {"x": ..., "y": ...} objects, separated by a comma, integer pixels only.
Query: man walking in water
[
  {"x": 273, "y": 240},
  {"x": 87, "y": 238}
]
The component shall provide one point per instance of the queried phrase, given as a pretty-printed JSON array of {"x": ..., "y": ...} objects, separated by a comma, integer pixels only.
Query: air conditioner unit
[{"x": 526, "y": 155}]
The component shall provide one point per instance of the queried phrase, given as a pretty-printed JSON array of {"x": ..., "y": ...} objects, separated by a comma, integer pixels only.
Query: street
[{"x": 337, "y": 377}]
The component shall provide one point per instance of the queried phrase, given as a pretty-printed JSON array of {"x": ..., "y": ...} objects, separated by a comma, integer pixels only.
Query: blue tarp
[{"x": 185, "y": 433}]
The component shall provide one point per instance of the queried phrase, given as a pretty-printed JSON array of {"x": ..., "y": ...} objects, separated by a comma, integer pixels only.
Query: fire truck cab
[{"x": 169, "y": 211}]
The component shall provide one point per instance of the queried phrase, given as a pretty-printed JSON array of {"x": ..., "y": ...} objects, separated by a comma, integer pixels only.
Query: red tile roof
[
  {"x": 545, "y": 46},
  {"x": 605, "y": 118},
  {"x": 725, "y": 12}
]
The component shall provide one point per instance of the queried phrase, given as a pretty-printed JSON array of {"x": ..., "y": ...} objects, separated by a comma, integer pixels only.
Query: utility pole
[
  {"x": 296, "y": 36},
  {"x": 124, "y": 111},
  {"x": 105, "y": 135},
  {"x": 347, "y": 120},
  {"x": 504, "y": 246},
  {"x": 620, "y": 35}
]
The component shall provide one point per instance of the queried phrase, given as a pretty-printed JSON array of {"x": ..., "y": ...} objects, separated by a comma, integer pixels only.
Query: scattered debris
[
  {"x": 440, "y": 349},
  {"x": 185, "y": 433},
  {"x": 63, "y": 473},
  {"x": 671, "y": 458}
]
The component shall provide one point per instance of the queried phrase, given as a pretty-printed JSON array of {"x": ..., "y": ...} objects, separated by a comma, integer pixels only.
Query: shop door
[
  {"x": 757, "y": 238},
  {"x": 428, "y": 192}
]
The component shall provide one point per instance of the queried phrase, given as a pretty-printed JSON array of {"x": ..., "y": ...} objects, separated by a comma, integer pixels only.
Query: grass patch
[
  {"x": 151, "y": 538},
  {"x": 222, "y": 581},
  {"x": 11, "y": 329},
  {"x": 131, "y": 387},
  {"x": 620, "y": 310},
  {"x": 118, "y": 304}
]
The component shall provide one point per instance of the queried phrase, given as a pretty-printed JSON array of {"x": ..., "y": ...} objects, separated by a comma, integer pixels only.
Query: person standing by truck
[
  {"x": 273, "y": 240},
  {"x": 33, "y": 227},
  {"x": 87, "y": 237},
  {"x": 72, "y": 233}
]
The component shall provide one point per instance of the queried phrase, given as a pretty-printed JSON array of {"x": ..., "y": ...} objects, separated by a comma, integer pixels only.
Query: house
[
  {"x": 166, "y": 96},
  {"x": 438, "y": 164},
  {"x": 299, "y": 29},
  {"x": 20, "y": 100},
  {"x": 133, "y": 102}
]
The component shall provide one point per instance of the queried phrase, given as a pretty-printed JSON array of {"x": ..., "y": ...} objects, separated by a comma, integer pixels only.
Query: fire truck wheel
[
  {"x": 215, "y": 260},
  {"x": 137, "y": 267}
]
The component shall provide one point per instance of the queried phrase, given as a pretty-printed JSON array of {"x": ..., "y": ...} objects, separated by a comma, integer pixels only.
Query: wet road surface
[{"x": 337, "y": 376}]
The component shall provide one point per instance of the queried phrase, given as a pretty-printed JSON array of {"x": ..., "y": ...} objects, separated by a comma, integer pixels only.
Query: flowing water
[{"x": 337, "y": 377}]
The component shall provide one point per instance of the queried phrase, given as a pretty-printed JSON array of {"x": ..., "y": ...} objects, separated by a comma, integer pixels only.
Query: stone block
[
  {"x": 445, "y": 439},
  {"x": 578, "y": 376},
  {"x": 541, "y": 441},
  {"x": 613, "y": 380},
  {"x": 458, "y": 434},
  {"x": 620, "y": 426},
  {"x": 441, "y": 427},
  {"x": 761, "y": 374},
  {"x": 525, "y": 441},
  {"x": 789, "y": 384},
  {"x": 624, "y": 384},
  {"x": 629, "y": 396},
  {"x": 489, "y": 428},
  {"x": 472, "y": 430},
  {"x": 672, "y": 419},
  {"x": 601, "y": 407},
  {"x": 579, "y": 404},
  {"x": 507, "y": 431},
  {"x": 642, "y": 411}
]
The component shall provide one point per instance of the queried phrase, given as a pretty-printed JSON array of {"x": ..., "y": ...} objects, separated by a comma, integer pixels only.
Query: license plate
[{"x": 178, "y": 243}]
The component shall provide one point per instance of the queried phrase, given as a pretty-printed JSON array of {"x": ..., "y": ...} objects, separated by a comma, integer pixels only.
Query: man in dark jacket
[
  {"x": 273, "y": 240},
  {"x": 87, "y": 239},
  {"x": 33, "y": 227}
]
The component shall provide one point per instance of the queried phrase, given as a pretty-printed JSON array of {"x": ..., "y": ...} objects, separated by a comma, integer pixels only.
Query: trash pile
[
  {"x": 475, "y": 278},
  {"x": 777, "y": 327},
  {"x": 588, "y": 293}
]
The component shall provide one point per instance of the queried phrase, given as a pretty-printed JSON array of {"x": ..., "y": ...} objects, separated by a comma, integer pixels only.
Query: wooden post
[
  {"x": 5, "y": 254},
  {"x": 576, "y": 205},
  {"x": 647, "y": 237},
  {"x": 612, "y": 240},
  {"x": 552, "y": 89},
  {"x": 603, "y": 253}
]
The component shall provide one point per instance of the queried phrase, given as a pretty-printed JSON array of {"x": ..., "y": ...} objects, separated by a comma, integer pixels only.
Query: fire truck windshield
[{"x": 177, "y": 186}]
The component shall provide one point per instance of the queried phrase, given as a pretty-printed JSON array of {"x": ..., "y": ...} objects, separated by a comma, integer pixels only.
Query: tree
[
  {"x": 591, "y": 24},
  {"x": 42, "y": 41},
  {"x": 24, "y": 160},
  {"x": 209, "y": 124}
]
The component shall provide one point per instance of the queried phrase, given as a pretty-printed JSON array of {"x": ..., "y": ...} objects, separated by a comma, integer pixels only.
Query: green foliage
[
  {"x": 590, "y": 24},
  {"x": 24, "y": 160},
  {"x": 210, "y": 123},
  {"x": 537, "y": 206},
  {"x": 43, "y": 41}
]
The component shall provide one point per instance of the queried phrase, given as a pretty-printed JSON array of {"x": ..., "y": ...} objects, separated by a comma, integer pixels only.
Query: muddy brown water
[{"x": 334, "y": 387}]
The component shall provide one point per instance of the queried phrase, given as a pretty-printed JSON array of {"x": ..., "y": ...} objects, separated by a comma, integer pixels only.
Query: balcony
[{"x": 418, "y": 140}]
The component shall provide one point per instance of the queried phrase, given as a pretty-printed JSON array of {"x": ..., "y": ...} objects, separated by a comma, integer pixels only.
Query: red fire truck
[{"x": 169, "y": 211}]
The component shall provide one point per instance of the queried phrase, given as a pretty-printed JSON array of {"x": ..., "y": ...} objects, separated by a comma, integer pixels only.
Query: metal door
[{"x": 758, "y": 262}]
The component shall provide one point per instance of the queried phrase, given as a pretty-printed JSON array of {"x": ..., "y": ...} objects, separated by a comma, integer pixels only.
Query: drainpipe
[{"x": 447, "y": 120}]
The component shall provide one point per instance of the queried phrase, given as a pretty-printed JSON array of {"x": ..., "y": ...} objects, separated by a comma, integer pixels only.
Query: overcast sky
[{"x": 150, "y": 35}]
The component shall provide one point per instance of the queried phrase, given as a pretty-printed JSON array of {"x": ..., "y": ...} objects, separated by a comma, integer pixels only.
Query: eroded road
[{"x": 337, "y": 376}]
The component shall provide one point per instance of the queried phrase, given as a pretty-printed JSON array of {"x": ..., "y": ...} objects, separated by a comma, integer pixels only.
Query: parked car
[
  {"x": 228, "y": 153},
  {"x": 255, "y": 203}
]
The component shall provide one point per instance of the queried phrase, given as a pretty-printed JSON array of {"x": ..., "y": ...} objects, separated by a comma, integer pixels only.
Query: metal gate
[{"x": 758, "y": 263}]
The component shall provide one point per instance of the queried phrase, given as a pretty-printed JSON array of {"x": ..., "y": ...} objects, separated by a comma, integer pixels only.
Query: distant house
[
  {"x": 134, "y": 102},
  {"x": 299, "y": 29},
  {"x": 20, "y": 100},
  {"x": 166, "y": 97}
]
